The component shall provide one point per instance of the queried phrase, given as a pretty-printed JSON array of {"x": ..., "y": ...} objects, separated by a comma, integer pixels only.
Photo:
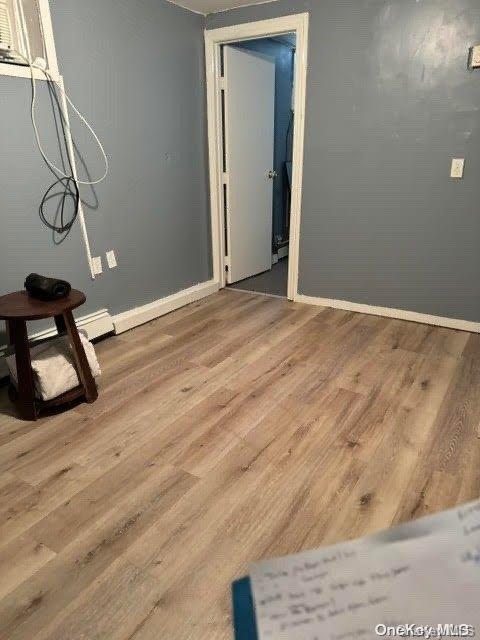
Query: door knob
[{"x": 272, "y": 175}]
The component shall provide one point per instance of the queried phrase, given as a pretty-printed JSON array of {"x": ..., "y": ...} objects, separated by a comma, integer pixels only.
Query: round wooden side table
[{"x": 19, "y": 308}]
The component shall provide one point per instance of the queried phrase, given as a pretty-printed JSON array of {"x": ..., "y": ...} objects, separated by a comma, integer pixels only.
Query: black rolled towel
[{"x": 45, "y": 288}]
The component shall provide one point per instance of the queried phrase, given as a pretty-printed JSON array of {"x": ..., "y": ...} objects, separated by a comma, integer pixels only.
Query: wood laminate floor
[{"x": 234, "y": 429}]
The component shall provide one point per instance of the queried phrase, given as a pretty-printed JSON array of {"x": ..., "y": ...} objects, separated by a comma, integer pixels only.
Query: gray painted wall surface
[
  {"x": 136, "y": 70},
  {"x": 389, "y": 103},
  {"x": 283, "y": 55}
]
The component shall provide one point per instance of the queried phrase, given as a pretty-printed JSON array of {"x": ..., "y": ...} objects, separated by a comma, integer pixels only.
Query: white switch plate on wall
[
  {"x": 97, "y": 265},
  {"x": 458, "y": 165},
  {"x": 111, "y": 259}
]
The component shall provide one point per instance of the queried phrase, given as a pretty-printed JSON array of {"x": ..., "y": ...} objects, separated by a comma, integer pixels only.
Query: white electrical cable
[
  {"x": 85, "y": 122},
  {"x": 34, "y": 66},
  {"x": 41, "y": 65},
  {"x": 65, "y": 118}
]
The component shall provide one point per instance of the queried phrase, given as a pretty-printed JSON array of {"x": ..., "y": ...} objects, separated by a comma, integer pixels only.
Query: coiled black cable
[
  {"x": 70, "y": 190},
  {"x": 60, "y": 225}
]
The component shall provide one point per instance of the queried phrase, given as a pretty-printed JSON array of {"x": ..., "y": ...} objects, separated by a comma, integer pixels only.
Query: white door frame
[{"x": 214, "y": 39}]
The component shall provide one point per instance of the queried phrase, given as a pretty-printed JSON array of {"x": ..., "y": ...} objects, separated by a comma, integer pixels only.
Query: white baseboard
[
  {"x": 140, "y": 315},
  {"x": 282, "y": 253},
  {"x": 399, "y": 314},
  {"x": 95, "y": 324},
  {"x": 101, "y": 322}
]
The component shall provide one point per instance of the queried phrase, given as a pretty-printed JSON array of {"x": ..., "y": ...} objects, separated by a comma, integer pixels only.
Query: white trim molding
[
  {"x": 282, "y": 253},
  {"x": 214, "y": 39},
  {"x": 96, "y": 324},
  {"x": 387, "y": 312},
  {"x": 140, "y": 315}
]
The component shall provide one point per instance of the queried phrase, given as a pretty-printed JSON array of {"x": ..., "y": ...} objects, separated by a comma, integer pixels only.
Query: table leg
[
  {"x": 18, "y": 336},
  {"x": 81, "y": 363},
  {"x": 61, "y": 326},
  {"x": 10, "y": 332}
]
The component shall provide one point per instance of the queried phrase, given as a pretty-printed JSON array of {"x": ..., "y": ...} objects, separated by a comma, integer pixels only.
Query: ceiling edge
[
  {"x": 240, "y": 6},
  {"x": 178, "y": 4}
]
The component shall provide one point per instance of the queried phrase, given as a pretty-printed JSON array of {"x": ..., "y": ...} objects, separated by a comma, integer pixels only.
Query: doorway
[
  {"x": 256, "y": 135},
  {"x": 258, "y": 147}
]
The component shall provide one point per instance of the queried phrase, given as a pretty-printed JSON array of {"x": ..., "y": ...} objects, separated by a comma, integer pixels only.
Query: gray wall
[
  {"x": 136, "y": 70},
  {"x": 283, "y": 56},
  {"x": 390, "y": 102}
]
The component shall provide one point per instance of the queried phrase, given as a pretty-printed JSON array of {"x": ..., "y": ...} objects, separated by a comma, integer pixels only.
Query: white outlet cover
[
  {"x": 111, "y": 259},
  {"x": 458, "y": 165},
  {"x": 475, "y": 59},
  {"x": 97, "y": 265}
]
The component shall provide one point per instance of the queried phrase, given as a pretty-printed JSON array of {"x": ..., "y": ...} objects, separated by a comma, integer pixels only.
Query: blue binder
[{"x": 244, "y": 622}]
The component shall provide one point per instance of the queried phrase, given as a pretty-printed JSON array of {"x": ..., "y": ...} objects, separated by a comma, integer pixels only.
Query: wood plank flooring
[{"x": 234, "y": 429}]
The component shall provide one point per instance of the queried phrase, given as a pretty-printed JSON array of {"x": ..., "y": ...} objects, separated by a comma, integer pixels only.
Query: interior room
[{"x": 183, "y": 458}]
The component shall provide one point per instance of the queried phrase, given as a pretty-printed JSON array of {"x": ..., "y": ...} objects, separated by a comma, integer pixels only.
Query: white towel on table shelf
[{"x": 53, "y": 367}]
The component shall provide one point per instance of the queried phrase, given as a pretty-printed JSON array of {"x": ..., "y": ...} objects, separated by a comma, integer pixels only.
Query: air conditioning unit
[
  {"x": 6, "y": 39},
  {"x": 13, "y": 32}
]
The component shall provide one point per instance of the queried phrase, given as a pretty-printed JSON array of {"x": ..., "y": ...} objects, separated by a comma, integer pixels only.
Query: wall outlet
[
  {"x": 111, "y": 259},
  {"x": 458, "y": 165},
  {"x": 97, "y": 265},
  {"x": 475, "y": 57}
]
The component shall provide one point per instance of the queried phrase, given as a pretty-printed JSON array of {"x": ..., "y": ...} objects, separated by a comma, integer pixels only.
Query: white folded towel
[{"x": 53, "y": 369}]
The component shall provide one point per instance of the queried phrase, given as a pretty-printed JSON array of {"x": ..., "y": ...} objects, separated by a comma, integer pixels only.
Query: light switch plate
[
  {"x": 475, "y": 57},
  {"x": 458, "y": 165},
  {"x": 111, "y": 259},
  {"x": 97, "y": 265}
]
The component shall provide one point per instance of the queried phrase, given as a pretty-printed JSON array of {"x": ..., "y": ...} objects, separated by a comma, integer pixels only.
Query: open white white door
[{"x": 249, "y": 142}]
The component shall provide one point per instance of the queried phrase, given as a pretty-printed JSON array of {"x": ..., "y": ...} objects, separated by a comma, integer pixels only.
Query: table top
[{"x": 21, "y": 306}]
